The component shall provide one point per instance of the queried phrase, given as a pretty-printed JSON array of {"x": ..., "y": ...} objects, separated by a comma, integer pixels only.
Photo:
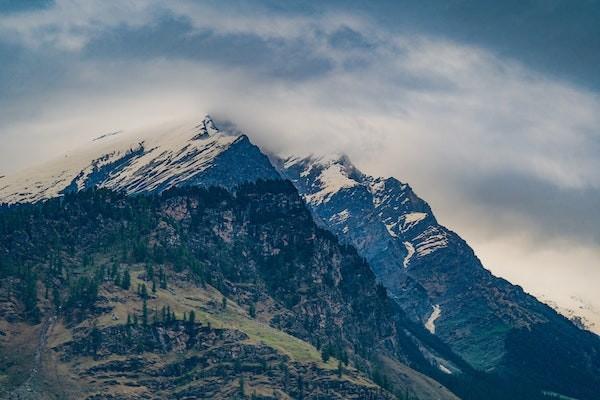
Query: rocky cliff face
[{"x": 436, "y": 277}]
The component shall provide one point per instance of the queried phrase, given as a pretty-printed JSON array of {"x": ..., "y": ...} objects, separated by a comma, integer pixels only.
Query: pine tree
[
  {"x": 126, "y": 280},
  {"x": 300, "y": 387},
  {"x": 145, "y": 313},
  {"x": 144, "y": 291},
  {"x": 150, "y": 272},
  {"x": 325, "y": 354},
  {"x": 28, "y": 294},
  {"x": 286, "y": 376},
  {"x": 114, "y": 271},
  {"x": 252, "y": 310},
  {"x": 344, "y": 357},
  {"x": 242, "y": 389}
]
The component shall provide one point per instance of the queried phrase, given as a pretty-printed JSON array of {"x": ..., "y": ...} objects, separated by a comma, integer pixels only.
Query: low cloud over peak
[{"x": 504, "y": 152}]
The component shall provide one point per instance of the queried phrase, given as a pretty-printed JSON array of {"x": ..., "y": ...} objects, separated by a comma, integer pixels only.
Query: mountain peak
[
  {"x": 206, "y": 128},
  {"x": 187, "y": 153}
]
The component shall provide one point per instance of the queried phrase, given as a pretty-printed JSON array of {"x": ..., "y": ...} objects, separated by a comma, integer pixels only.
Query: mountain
[
  {"x": 98, "y": 291},
  {"x": 440, "y": 283},
  {"x": 447, "y": 325},
  {"x": 146, "y": 161}
]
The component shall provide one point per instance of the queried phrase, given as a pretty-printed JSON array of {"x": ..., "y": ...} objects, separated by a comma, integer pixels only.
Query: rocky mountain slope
[
  {"x": 100, "y": 289},
  {"x": 451, "y": 308},
  {"x": 437, "y": 279}
]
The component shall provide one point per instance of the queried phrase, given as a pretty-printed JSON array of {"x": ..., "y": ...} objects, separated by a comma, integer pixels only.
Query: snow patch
[
  {"x": 291, "y": 161},
  {"x": 377, "y": 189},
  {"x": 342, "y": 216},
  {"x": 377, "y": 185},
  {"x": 411, "y": 251},
  {"x": 411, "y": 219},
  {"x": 332, "y": 179},
  {"x": 579, "y": 311},
  {"x": 445, "y": 370},
  {"x": 306, "y": 172},
  {"x": 432, "y": 239},
  {"x": 435, "y": 314},
  {"x": 390, "y": 229},
  {"x": 205, "y": 129}
]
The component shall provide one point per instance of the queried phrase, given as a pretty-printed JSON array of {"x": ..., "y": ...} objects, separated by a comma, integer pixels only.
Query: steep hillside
[
  {"x": 100, "y": 287},
  {"x": 439, "y": 282}
]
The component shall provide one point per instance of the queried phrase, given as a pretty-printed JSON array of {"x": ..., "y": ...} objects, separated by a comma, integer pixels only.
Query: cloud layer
[{"x": 507, "y": 156}]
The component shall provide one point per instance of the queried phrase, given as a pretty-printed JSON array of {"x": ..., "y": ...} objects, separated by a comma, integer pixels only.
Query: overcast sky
[{"x": 489, "y": 109}]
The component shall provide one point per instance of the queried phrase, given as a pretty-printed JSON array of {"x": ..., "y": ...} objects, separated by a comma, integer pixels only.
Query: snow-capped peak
[
  {"x": 147, "y": 160},
  {"x": 206, "y": 128},
  {"x": 327, "y": 175}
]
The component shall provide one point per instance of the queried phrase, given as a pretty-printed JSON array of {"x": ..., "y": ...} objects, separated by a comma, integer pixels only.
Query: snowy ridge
[
  {"x": 403, "y": 216},
  {"x": 141, "y": 161},
  {"x": 328, "y": 175},
  {"x": 321, "y": 177},
  {"x": 424, "y": 265},
  {"x": 332, "y": 179}
]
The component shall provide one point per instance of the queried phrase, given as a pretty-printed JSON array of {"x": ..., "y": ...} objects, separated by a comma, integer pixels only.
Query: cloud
[{"x": 507, "y": 156}]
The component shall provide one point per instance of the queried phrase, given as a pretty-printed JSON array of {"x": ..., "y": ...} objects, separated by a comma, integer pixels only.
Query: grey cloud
[
  {"x": 498, "y": 149},
  {"x": 524, "y": 203},
  {"x": 176, "y": 38}
]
